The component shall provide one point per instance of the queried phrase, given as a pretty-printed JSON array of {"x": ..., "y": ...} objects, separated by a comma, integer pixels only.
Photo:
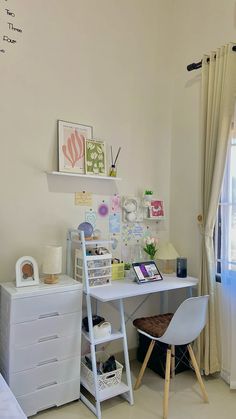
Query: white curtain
[
  {"x": 218, "y": 98},
  {"x": 228, "y": 271}
]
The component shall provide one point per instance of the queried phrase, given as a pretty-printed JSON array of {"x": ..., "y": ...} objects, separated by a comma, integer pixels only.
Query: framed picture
[
  {"x": 132, "y": 209},
  {"x": 27, "y": 272},
  {"x": 71, "y": 146},
  {"x": 156, "y": 209},
  {"x": 95, "y": 157}
]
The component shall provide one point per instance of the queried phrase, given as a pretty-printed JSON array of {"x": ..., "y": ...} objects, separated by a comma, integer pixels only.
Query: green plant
[
  {"x": 127, "y": 266},
  {"x": 147, "y": 192},
  {"x": 150, "y": 246}
]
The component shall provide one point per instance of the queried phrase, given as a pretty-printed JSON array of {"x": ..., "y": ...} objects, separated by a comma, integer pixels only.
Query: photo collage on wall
[{"x": 107, "y": 215}]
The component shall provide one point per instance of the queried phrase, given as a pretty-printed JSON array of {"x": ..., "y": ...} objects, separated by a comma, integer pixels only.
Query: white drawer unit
[
  {"x": 40, "y": 343},
  {"x": 98, "y": 269}
]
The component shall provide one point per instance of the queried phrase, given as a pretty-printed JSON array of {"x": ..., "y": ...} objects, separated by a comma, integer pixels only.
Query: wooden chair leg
[
  {"x": 197, "y": 372},
  {"x": 172, "y": 361},
  {"x": 167, "y": 384},
  {"x": 146, "y": 359}
]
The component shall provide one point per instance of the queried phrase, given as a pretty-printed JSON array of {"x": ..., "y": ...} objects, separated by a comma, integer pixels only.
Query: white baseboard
[{"x": 225, "y": 376}]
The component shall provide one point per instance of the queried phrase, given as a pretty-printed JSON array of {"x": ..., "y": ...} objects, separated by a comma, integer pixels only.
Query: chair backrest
[{"x": 187, "y": 322}]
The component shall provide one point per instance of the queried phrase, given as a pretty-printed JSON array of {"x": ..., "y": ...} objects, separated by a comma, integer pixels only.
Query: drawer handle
[
  {"x": 111, "y": 376},
  {"x": 44, "y": 316},
  {"x": 48, "y": 338},
  {"x": 53, "y": 383},
  {"x": 48, "y": 361}
]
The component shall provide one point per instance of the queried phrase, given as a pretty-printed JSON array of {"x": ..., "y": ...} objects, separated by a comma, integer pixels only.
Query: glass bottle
[{"x": 112, "y": 171}]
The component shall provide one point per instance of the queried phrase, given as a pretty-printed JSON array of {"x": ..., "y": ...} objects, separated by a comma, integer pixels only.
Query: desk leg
[
  {"x": 164, "y": 302},
  {"x": 131, "y": 315},
  {"x": 129, "y": 394},
  {"x": 189, "y": 292}
]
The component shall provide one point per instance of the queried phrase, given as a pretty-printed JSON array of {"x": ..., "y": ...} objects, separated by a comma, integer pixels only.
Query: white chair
[{"x": 182, "y": 328}]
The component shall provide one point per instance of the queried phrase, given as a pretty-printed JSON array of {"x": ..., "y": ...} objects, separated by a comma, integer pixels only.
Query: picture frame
[
  {"x": 156, "y": 209},
  {"x": 27, "y": 273},
  {"x": 95, "y": 157},
  {"x": 71, "y": 146},
  {"x": 132, "y": 211}
]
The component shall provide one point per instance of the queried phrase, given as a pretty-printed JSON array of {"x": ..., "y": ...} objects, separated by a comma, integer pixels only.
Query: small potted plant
[
  {"x": 148, "y": 196},
  {"x": 127, "y": 269}
]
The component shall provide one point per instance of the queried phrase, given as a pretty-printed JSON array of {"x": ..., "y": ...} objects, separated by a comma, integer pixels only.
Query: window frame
[{"x": 224, "y": 204}]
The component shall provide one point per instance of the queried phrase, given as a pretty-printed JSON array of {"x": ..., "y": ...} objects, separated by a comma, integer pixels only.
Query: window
[{"x": 225, "y": 229}]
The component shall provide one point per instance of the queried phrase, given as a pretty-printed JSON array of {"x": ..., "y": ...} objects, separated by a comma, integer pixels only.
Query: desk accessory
[
  {"x": 95, "y": 320},
  {"x": 26, "y": 272},
  {"x": 87, "y": 228},
  {"x": 113, "y": 163},
  {"x": 52, "y": 264},
  {"x": 146, "y": 272},
  {"x": 181, "y": 267},
  {"x": 102, "y": 330},
  {"x": 110, "y": 378},
  {"x": 167, "y": 253},
  {"x": 117, "y": 270},
  {"x": 150, "y": 246},
  {"x": 148, "y": 196}
]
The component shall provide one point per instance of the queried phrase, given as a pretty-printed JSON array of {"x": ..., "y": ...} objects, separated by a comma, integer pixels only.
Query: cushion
[{"x": 154, "y": 325}]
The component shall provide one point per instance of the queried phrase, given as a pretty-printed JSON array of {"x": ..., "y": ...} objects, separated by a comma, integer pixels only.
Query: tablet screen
[{"x": 147, "y": 271}]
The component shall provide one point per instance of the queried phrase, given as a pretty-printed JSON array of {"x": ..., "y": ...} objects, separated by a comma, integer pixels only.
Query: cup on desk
[{"x": 181, "y": 267}]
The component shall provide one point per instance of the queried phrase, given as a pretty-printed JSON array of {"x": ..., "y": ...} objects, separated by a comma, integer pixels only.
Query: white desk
[
  {"x": 128, "y": 288},
  {"x": 118, "y": 291}
]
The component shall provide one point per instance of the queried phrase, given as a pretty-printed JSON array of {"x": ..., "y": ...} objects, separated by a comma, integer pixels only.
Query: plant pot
[{"x": 127, "y": 273}]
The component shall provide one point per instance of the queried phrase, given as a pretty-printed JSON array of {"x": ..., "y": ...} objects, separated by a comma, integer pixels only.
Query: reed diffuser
[{"x": 113, "y": 170}]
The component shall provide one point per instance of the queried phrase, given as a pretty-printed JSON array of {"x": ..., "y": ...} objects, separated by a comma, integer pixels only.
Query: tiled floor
[{"x": 185, "y": 401}]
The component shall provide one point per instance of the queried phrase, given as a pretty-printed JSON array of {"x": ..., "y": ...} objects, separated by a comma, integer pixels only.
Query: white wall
[
  {"x": 199, "y": 27},
  {"x": 102, "y": 63}
]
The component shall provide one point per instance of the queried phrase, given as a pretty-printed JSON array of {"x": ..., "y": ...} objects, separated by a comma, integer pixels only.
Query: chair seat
[{"x": 154, "y": 325}]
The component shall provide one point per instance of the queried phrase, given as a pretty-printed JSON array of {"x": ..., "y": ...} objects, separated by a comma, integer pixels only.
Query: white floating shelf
[
  {"x": 153, "y": 219},
  {"x": 83, "y": 176}
]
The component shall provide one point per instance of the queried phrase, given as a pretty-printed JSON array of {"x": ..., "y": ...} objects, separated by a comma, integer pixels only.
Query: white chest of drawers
[{"x": 40, "y": 344}]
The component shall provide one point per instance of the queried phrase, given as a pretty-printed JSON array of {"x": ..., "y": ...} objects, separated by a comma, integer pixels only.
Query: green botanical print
[{"x": 95, "y": 157}]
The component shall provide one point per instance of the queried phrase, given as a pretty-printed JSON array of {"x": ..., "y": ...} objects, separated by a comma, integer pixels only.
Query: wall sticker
[{"x": 10, "y": 31}]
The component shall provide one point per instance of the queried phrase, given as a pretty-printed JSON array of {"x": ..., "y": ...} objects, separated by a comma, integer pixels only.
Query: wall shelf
[
  {"x": 54, "y": 173},
  {"x": 153, "y": 219}
]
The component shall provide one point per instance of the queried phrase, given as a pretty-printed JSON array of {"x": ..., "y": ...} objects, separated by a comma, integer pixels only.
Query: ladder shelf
[{"x": 123, "y": 387}]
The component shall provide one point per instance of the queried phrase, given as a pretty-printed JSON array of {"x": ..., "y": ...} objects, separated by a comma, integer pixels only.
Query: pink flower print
[{"x": 73, "y": 150}]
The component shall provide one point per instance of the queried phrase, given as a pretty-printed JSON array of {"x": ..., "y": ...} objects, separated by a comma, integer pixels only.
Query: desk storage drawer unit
[
  {"x": 40, "y": 347},
  {"x": 99, "y": 269}
]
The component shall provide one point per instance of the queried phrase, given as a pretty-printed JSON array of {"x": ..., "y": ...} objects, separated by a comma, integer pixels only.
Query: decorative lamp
[
  {"x": 167, "y": 253},
  {"x": 52, "y": 263}
]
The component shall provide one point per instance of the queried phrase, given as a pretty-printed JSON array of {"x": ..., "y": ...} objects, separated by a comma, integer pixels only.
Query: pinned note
[{"x": 83, "y": 198}]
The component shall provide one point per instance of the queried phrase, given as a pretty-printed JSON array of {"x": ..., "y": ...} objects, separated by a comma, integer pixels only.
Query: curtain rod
[{"x": 195, "y": 66}]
